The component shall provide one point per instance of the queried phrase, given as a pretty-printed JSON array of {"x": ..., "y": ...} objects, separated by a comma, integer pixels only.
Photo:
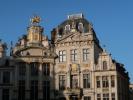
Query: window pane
[
  {"x": 74, "y": 55},
  {"x": 21, "y": 90},
  {"x": 86, "y": 80},
  {"x": 62, "y": 56},
  {"x": 34, "y": 90},
  {"x": 46, "y": 90},
  {"x": 105, "y": 81},
  {"x": 87, "y": 98},
  {"x": 113, "y": 96},
  {"x": 6, "y": 77},
  {"x": 85, "y": 54},
  {"x": 34, "y": 68},
  {"x": 98, "y": 96},
  {"x": 62, "y": 82},
  {"x": 113, "y": 81},
  {"x": 98, "y": 82},
  {"x": 22, "y": 68},
  {"x": 46, "y": 69},
  {"x": 5, "y": 94}
]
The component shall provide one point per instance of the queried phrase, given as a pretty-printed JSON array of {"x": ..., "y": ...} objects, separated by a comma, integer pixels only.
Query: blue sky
[{"x": 112, "y": 21}]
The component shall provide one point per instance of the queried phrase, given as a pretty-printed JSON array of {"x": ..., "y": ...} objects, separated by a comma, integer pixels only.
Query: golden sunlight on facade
[{"x": 70, "y": 66}]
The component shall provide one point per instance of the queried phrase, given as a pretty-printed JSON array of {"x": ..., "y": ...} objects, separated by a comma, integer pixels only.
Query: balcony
[{"x": 73, "y": 91}]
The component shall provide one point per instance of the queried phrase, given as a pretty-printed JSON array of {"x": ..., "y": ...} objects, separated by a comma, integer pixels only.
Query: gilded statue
[{"x": 35, "y": 19}]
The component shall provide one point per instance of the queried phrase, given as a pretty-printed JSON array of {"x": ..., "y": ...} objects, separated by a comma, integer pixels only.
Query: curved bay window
[
  {"x": 46, "y": 69},
  {"x": 22, "y": 68},
  {"x": 46, "y": 90},
  {"x": 34, "y": 90},
  {"x": 21, "y": 90},
  {"x": 34, "y": 68},
  {"x": 105, "y": 65}
]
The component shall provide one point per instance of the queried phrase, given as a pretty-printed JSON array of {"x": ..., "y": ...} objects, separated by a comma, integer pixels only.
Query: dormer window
[
  {"x": 81, "y": 27},
  {"x": 67, "y": 28}
]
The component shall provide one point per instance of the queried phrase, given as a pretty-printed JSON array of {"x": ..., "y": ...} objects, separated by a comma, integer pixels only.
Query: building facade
[{"x": 71, "y": 66}]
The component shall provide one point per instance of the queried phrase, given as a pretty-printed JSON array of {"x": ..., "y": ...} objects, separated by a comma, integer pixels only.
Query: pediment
[{"x": 69, "y": 38}]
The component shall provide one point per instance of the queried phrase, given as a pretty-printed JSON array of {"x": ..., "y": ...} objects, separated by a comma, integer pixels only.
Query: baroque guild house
[{"x": 70, "y": 66}]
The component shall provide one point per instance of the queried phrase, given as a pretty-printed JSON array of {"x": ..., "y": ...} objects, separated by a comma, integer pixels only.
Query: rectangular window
[
  {"x": 62, "y": 56},
  {"x": 86, "y": 80},
  {"x": 34, "y": 68},
  {"x": 87, "y": 98},
  {"x": 5, "y": 94},
  {"x": 34, "y": 90},
  {"x": 22, "y": 68},
  {"x": 6, "y": 77},
  {"x": 106, "y": 96},
  {"x": 74, "y": 83},
  {"x": 46, "y": 90},
  {"x": 113, "y": 96},
  {"x": 21, "y": 90},
  {"x": 105, "y": 82},
  {"x": 98, "y": 82},
  {"x": 112, "y": 81},
  {"x": 74, "y": 55},
  {"x": 62, "y": 82},
  {"x": 98, "y": 96},
  {"x": 46, "y": 69},
  {"x": 85, "y": 54}
]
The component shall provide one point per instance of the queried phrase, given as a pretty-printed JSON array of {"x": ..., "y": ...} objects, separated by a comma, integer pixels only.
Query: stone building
[
  {"x": 70, "y": 66},
  {"x": 83, "y": 69}
]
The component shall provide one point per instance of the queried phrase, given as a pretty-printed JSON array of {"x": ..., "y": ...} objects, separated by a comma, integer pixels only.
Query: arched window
[
  {"x": 104, "y": 65},
  {"x": 81, "y": 27},
  {"x": 67, "y": 28}
]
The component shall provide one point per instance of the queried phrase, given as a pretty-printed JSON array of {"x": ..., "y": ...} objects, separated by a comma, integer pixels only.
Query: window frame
[
  {"x": 6, "y": 77},
  {"x": 34, "y": 68},
  {"x": 85, "y": 52},
  {"x": 86, "y": 80},
  {"x": 62, "y": 82},
  {"x": 98, "y": 81},
  {"x": 46, "y": 69},
  {"x": 62, "y": 56},
  {"x": 105, "y": 82},
  {"x": 74, "y": 55},
  {"x": 106, "y": 96}
]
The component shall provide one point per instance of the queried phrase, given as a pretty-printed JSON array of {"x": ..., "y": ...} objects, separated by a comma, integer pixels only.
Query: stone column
[
  {"x": 78, "y": 75},
  {"x": 40, "y": 73},
  {"x": 69, "y": 76},
  {"x": 27, "y": 81}
]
